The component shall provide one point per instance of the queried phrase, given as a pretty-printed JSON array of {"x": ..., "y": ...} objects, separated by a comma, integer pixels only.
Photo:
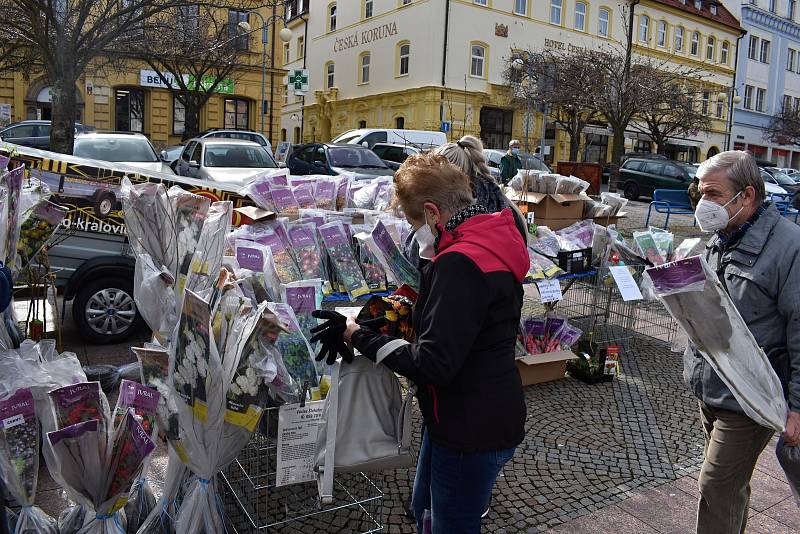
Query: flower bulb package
[
  {"x": 306, "y": 250},
  {"x": 304, "y": 195},
  {"x": 694, "y": 296},
  {"x": 37, "y": 230},
  {"x": 325, "y": 190},
  {"x": 394, "y": 262},
  {"x": 12, "y": 183},
  {"x": 285, "y": 202},
  {"x": 297, "y": 354},
  {"x": 258, "y": 188},
  {"x": 541, "y": 335},
  {"x": 337, "y": 243},
  {"x": 284, "y": 262},
  {"x": 373, "y": 270}
]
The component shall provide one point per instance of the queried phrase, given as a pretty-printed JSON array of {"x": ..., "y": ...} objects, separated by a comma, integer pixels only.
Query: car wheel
[
  {"x": 631, "y": 191},
  {"x": 104, "y": 311},
  {"x": 104, "y": 204}
]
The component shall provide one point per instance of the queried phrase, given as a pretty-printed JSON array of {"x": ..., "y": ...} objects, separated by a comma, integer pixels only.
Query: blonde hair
[
  {"x": 430, "y": 178},
  {"x": 467, "y": 155}
]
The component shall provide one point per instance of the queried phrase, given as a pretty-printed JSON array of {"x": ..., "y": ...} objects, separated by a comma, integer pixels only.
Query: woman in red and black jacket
[{"x": 466, "y": 318}]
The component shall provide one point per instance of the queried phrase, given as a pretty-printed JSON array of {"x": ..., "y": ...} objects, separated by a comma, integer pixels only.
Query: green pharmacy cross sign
[{"x": 298, "y": 80}]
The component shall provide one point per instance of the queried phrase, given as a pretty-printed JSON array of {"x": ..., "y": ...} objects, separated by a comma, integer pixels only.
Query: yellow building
[
  {"x": 133, "y": 97},
  {"x": 418, "y": 64}
]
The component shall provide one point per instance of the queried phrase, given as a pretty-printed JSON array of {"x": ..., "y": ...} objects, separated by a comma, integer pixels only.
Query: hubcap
[
  {"x": 105, "y": 206},
  {"x": 110, "y": 311}
]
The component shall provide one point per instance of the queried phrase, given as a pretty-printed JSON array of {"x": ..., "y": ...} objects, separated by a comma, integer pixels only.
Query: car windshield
[
  {"x": 349, "y": 158},
  {"x": 239, "y": 156},
  {"x": 690, "y": 169},
  {"x": 346, "y": 137},
  {"x": 530, "y": 161},
  {"x": 782, "y": 178},
  {"x": 133, "y": 149}
]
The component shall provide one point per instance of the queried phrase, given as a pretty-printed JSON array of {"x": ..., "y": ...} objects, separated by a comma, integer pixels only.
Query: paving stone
[{"x": 767, "y": 491}]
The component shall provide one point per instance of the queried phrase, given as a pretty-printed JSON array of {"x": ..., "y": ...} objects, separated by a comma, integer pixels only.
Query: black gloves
[{"x": 330, "y": 335}]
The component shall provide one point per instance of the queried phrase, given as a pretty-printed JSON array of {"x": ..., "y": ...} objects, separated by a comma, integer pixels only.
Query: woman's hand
[{"x": 352, "y": 327}]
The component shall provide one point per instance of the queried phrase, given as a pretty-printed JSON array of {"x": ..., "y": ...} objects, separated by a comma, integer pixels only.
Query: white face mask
[
  {"x": 425, "y": 239},
  {"x": 712, "y": 216}
]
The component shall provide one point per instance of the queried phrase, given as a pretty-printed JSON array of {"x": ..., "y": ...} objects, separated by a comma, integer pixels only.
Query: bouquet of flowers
[
  {"x": 337, "y": 243},
  {"x": 306, "y": 250},
  {"x": 19, "y": 460}
]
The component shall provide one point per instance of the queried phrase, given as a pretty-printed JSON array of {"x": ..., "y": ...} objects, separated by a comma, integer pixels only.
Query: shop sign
[
  {"x": 150, "y": 78},
  {"x": 560, "y": 45},
  {"x": 225, "y": 86},
  {"x": 357, "y": 38}
]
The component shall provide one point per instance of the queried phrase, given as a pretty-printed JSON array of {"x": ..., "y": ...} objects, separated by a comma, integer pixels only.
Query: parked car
[
  {"x": 795, "y": 176},
  {"x": 640, "y": 176},
  {"x": 529, "y": 161},
  {"x": 244, "y": 135},
  {"x": 781, "y": 179},
  {"x": 171, "y": 154},
  {"x": 229, "y": 161},
  {"x": 394, "y": 152},
  {"x": 372, "y": 136},
  {"x": 770, "y": 186},
  {"x": 132, "y": 149},
  {"x": 33, "y": 133},
  {"x": 333, "y": 159}
]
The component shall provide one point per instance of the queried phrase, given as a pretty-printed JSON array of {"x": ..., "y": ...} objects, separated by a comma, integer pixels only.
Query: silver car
[
  {"x": 132, "y": 149},
  {"x": 529, "y": 161},
  {"x": 229, "y": 161}
]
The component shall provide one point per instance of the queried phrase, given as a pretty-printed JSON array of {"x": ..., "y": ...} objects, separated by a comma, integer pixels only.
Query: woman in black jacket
[{"x": 465, "y": 318}]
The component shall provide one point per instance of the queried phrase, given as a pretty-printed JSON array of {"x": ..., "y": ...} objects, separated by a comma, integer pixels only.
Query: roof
[
  {"x": 224, "y": 141},
  {"x": 723, "y": 16},
  {"x": 111, "y": 134}
]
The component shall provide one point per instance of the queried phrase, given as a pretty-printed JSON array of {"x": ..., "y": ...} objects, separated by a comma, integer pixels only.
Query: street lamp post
[
  {"x": 733, "y": 98},
  {"x": 518, "y": 65},
  {"x": 285, "y": 35}
]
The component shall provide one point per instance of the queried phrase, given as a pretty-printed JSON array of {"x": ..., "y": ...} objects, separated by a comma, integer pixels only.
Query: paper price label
[
  {"x": 13, "y": 421},
  {"x": 625, "y": 283},
  {"x": 297, "y": 439},
  {"x": 549, "y": 290}
]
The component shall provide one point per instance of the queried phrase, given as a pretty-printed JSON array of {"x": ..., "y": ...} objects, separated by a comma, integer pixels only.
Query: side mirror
[
  {"x": 164, "y": 155},
  {"x": 365, "y": 143},
  {"x": 194, "y": 165},
  {"x": 319, "y": 163}
]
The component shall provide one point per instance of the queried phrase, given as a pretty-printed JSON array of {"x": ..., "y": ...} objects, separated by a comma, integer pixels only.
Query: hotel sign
[{"x": 358, "y": 38}]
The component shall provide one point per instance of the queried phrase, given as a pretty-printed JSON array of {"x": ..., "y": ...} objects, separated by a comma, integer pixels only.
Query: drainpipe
[
  {"x": 305, "y": 54},
  {"x": 444, "y": 59},
  {"x": 732, "y": 92}
]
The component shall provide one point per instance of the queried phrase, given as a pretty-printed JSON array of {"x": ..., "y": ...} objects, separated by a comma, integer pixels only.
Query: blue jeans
[{"x": 456, "y": 487}]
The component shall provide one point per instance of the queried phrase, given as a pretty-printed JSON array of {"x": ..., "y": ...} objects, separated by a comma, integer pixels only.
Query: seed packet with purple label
[
  {"x": 142, "y": 400},
  {"x": 78, "y": 403},
  {"x": 678, "y": 276},
  {"x": 298, "y": 356},
  {"x": 306, "y": 250},
  {"x": 13, "y": 184},
  {"x": 337, "y": 243},
  {"x": 325, "y": 193},
  {"x": 374, "y": 273},
  {"x": 304, "y": 297},
  {"x": 131, "y": 445},
  {"x": 569, "y": 335},
  {"x": 304, "y": 195},
  {"x": 19, "y": 445},
  {"x": 344, "y": 183},
  {"x": 392, "y": 259},
  {"x": 285, "y": 265},
  {"x": 535, "y": 326},
  {"x": 284, "y": 200},
  {"x": 552, "y": 331}
]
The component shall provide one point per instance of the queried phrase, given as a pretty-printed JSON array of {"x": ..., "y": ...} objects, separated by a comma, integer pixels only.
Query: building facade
[
  {"x": 132, "y": 97},
  {"x": 768, "y": 76},
  {"x": 429, "y": 64}
]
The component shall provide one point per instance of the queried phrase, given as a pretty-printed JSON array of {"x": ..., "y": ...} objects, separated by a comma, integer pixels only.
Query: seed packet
[
  {"x": 306, "y": 250},
  {"x": 648, "y": 248},
  {"x": 383, "y": 194},
  {"x": 37, "y": 230},
  {"x": 284, "y": 200},
  {"x": 19, "y": 445},
  {"x": 534, "y": 329},
  {"x": 373, "y": 271},
  {"x": 685, "y": 249},
  {"x": 154, "y": 362},
  {"x": 553, "y": 329},
  {"x": 325, "y": 193},
  {"x": 304, "y": 297},
  {"x": 285, "y": 266},
  {"x": 337, "y": 243},
  {"x": 304, "y": 195},
  {"x": 131, "y": 445},
  {"x": 258, "y": 258},
  {"x": 569, "y": 336},
  {"x": 141, "y": 400},
  {"x": 316, "y": 216},
  {"x": 78, "y": 403},
  {"x": 298, "y": 357},
  {"x": 258, "y": 190},
  {"x": 13, "y": 186},
  {"x": 392, "y": 259},
  {"x": 78, "y": 451},
  {"x": 191, "y": 354},
  {"x": 343, "y": 190}
]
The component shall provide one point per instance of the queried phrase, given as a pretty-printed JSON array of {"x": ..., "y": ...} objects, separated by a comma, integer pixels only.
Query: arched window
[
  {"x": 644, "y": 27},
  {"x": 364, "y": 64},
  {"x": 580, "y": 16},
  {"x": 329, "y": 70},
  {"x": 555, "y": 11},
  {"x": 332, "y": 17},
  {"x": 679, "y": 39},
  {"x": 724, "y": 51},
  {"x": 695, "y": 43},
  {"x": 283, "y": 134},
  {"x": 403, "y": 58},
  {"x": 362, "y": 124},
  {"x": 661, "y": 36},
  {"x": 400, "y": 123},
  {"x": 603, "y": 22},
  {"x": 477, "y": 60},
  {"x": 710, "y": 48}
]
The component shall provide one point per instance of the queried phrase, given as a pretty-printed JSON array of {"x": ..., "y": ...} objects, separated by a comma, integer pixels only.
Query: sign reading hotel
[{"x": 358, "y": 38}]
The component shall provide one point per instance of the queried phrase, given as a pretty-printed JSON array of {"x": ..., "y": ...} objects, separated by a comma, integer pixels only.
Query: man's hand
[
  {"x": 792, "y": 435},
  {"x": 352, "y": 328}
]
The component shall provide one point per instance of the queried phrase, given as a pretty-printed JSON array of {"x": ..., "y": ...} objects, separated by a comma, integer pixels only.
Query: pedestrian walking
[
  {"x": 510, "y": 163},
  {"x": 465, "y": 318},
  {"x": 756, "y": 254}
]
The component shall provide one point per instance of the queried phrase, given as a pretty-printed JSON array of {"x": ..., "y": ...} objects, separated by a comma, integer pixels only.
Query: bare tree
[{"x": 784, "y": 128}]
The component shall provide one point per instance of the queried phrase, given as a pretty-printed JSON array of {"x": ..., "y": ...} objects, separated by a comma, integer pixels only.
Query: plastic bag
[
  {"x": 541, "y": 267},
  {"x": 154, "y": 294},
  {"x": 614, "y": 200},
  {"x": 161, "y": 519},
  {"x": 306, "y": 250},
  {"x": 283, "y": 261},
  {"x": 325, "y": 190},
  {"x": 107, "y": 375},
  {"x": 648, "y": 248},
  {"x": 397, "y": 267},
  {"x": 285, "y": 202},
  {"x": 258, "y": 259},
  {"x": 304, "y": 195},
  {"x": 343, "y": 196},
  {"x": 37, "y": 230},
  {"x": 695, "y": 298},
  {"x": 373, "y": 270},
  {"x": 207, "y": 259},
  {"x": 789, "y": 458},
  {"x": 337, "y": 243},
  {"x": 571, "y": 185},
  {"x": 19, "y": 460},
  {"x": 12, "y": 183},
  {"x": 140, "y": 504},
  {"x": 71, "y": 520},
  {"x": 686, "y": 248},
  {"x": 297, "y": 354},
  {"x": 258, "y": 188},
  {"x": 576, "y": 236}
]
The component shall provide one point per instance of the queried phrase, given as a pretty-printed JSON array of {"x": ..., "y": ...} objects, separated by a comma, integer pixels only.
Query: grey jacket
[{"x": 762, "y": 275}]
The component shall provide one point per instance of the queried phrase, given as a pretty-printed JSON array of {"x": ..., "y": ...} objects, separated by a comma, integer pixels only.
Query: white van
[{"x": 370, "y": 136}]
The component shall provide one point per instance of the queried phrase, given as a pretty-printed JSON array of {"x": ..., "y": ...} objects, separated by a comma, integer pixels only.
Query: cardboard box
[
  {"x": 253, "y": 214},
  {"x": 538, "y": 368},
  {"x": 612, "y": 219},
  {"x": 554, "y": 211}
]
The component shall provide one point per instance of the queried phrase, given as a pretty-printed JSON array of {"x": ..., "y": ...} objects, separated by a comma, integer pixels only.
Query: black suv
[
  {"x": 640, "y": 176},
  {"x": 333, "y": 159}
]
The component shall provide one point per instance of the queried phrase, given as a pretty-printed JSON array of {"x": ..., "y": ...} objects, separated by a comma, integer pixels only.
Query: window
[
  {"x": 792, "y": 8},
  {"x": 720, "y": 108},
  {"x": 710, "y": 48},
  {"x": 695, "y": 43},
  {"x": 400, "y": 123},
  {"x": 406, "y": 2},
  {"x": 679, "y": 39},
  {"x": 404, "y": 53},
  {"x": 790, "y": 59},
  {"x": 713, "y": 9},
  {"x": 283, "y": 134},
  {"x": 521, "y": 7},
  {"x": 362, "y": 125},
  {"x": 704, "y": 103},
  {"x": 752, "y": 51},
  {"x": 234, "y": 33},
  {"x": 237, "y": 113},
  {"x": 285, "y": 53},
  {"x": 761, "y": 97},
  {"x": 555, "y": 12},
  {"x": 178, "y": 116},
  {"x": 644, "y": 26},
  {"x": 603, "y": 22},
  {"x": 748, "y": 97},
  {"x": 661, "y": 36},
  {"x": 765, "y": 51},
  {"x": 329, "y": 75},
  {"x": 188, "y": 19},
  {"x": 301, "y": 47},
  {"x": 478, "y": 56},
  {"x": 797, "y": 103},
  {"x": 481, "y": 2},
  {"x": 580, "y": 16},
  {"x": 367, "y": 9},
  {"x": 364, "y": 63},
  {"x": 129, "y": 110},
  {"x": 772, "y": 6},
  {"x": 332, "y": 18},
  {"x": 723, "y": 55},
  {"x": 787, "y": 103},
  {"x": 698, "y": 4}
]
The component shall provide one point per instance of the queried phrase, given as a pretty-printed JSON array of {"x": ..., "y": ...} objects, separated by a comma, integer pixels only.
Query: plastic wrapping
[
  {"x": 304, "y": 195},
  {"x": 306, "y": 250},
  {"x": 576, "y": 236},
  {"x": 297, "y": 354},
  {"x": 614, "y": 200},
  {"x": 258, "y": 259},
  {"x": 12, "y": 183},
  {"x": 337, "y": 243},
  {"x": 154, "y": 294},
  {"x": 325, "y": 193},
  {"x": 789, "y": 458},
  {"x": 694, "y": 296},
  {"x": 37, "y": 230},
  {"x": 285, "y": 202},
  {"x": 140, "y": 505},
  {"x": 373, "y": 270},
  {"x": 397, "y": 267},
  {"x": 541, "y": 267},
  {"x": 258, "y": 188},
  {"x": 161, "y": 519},
  {"x": 107, "y": 375},
  {"x": 207, "y": 258},
  {"x": 277, "y": 239},
  {"x": 571, "y": 185},
  {"x": 686, "y": 248},
  {"x": 647, "y": 246}
]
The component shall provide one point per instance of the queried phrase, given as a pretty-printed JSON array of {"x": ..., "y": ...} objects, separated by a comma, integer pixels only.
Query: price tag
[
  {"x": 14, "y": 421},
  {"x": 297, "y": 439},
  {"x": 625, "y": 283},
  {"x": 549, "y": 290}
]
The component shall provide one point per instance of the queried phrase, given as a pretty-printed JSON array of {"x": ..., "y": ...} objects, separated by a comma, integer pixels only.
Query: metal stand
[{"x": 254, "y": 504}]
